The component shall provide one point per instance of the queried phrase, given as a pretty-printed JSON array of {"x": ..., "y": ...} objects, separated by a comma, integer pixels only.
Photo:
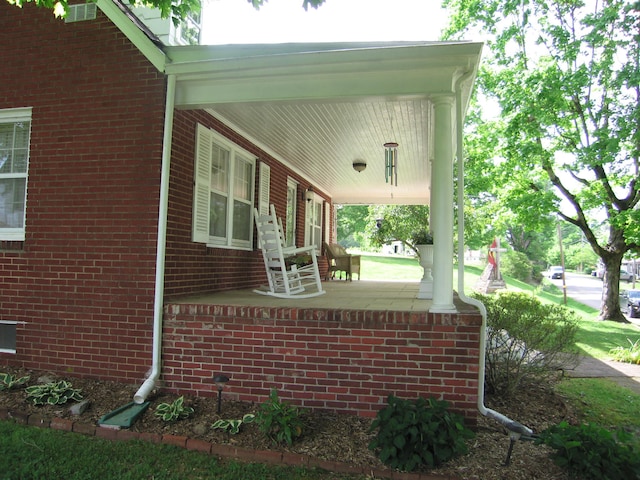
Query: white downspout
[
  {"x": 487, "y": 412},
  {"x": 158, "y": 305}
]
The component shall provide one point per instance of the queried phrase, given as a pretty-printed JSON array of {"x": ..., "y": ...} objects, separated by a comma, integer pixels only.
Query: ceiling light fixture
[{"x": 359, "y": 165}]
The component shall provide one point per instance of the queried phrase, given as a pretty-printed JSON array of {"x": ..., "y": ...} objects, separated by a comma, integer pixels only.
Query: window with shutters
[
  {"x": 223, "y": 192},
  {"x": 15, "y": 131}
]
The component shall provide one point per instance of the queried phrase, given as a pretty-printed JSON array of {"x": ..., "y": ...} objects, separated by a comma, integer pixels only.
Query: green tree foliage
[
  {"x": 176, "y": 9},
  {"x": 352, "y": 224},
  {"x": 565, "y": 75},
  {"x": 517, "y": 265},
  {"x": 397, "y": 223}
]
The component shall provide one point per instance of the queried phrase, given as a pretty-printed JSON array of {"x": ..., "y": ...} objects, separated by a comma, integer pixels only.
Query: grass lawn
[
  {"x": 30, "y": 453},
  {"x": 602, "y": 401}
]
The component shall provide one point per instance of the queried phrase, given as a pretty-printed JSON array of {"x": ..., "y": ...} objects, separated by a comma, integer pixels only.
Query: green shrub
[
  {"x": 420, "y": 432},
  {"x": 53, "y": 393},
  {"x": 526, "y": 340},
  {"x": 516, "y": 265},
  {"x": 171, "y": 412},
  {"x": 233, "y": 425},
  {"x": 590, "y": 452},
  {"x": 630, "y": 354},
  {"x": 8, "y": 381},
  {"x": 279, "y": 421}
]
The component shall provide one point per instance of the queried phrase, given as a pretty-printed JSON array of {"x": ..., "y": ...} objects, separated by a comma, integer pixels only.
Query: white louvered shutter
[
  {"x": 327, "y": 222},
  {"x": 201, "y": 185},
  {"x": 264, "y": 189}
]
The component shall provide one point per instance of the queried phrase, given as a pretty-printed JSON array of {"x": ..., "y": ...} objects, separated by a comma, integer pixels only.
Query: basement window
[{"x": 8, "y": 336}]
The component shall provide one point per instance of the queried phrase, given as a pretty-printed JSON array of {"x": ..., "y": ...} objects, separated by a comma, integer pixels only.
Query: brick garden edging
[{"x": 246, "y": 455}]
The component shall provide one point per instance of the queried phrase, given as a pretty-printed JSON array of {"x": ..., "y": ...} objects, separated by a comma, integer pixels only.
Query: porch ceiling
[{"x": 319, "y": 107}]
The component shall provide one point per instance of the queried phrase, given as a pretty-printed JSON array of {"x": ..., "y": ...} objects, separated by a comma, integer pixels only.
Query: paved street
[{"x": 588, "y": 290}]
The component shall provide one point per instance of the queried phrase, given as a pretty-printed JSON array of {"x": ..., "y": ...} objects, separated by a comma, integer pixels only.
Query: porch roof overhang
[{"x": 319, "y": 107}]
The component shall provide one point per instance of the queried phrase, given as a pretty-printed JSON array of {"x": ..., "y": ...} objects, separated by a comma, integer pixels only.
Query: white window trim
[
  {"x": 205, "y": 137},
  {"x": 12, "y": 115}
]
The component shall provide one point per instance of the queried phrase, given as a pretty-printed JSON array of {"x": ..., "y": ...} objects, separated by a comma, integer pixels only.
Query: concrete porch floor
[{"x": 342, "y": 295}]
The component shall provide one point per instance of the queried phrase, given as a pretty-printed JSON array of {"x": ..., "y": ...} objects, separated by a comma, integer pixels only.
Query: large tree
[
  {"x": 176, "y": 9},
  {"x": 565, "y": 74},
  {"x": 408, "y": 224}
]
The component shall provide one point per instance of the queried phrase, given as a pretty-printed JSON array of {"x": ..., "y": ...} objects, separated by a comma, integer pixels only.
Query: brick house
[{"x": 103, "y": 130}]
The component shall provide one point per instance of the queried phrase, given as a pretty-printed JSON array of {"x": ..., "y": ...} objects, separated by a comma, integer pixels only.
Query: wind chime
[{"x": 391, "y": 163}]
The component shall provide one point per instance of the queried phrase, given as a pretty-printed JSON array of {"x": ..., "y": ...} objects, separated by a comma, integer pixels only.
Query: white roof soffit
[{"x": 319, "y": 107}]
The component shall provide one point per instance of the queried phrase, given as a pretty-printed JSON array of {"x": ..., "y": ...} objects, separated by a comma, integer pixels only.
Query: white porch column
[{"x": 441, "y": 208}]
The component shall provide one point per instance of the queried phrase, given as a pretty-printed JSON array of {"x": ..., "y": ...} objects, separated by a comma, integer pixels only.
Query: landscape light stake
[{"x": 220, "y": 381}]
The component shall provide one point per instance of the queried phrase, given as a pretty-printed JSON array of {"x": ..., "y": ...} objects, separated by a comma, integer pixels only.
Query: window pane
[
  {"x": 317, "y": 214},
  {"x": 20, "y": 161},
  {"x": 6, "y": 136},
  {"x": 21, "y": 139},
  {"x": 14, "y": 144},
  {"x": 291, "y": 212},
  {"x": 8, "y": 336},
  {"x": 241, "y": 221},
  {"x": 317, "y": 237},
  {"x": 218, "y": 212},
  {"x": 242, "y": 183},
  {"x": 5, "y": 161},
  {"x": 12, "y": 196},
  {"x": 219, "y": 168}
]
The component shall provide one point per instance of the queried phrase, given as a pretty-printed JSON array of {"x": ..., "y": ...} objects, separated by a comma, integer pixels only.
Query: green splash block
[{"x": 124, "y": 416}]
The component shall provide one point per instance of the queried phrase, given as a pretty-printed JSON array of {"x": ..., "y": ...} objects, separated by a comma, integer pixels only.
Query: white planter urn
[{"x": 426, "y": 262}]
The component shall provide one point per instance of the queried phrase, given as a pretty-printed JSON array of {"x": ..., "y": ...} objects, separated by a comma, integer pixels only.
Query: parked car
[
  {"x": 555, "y": 272},
  {"x": 626, "y": 275},
  {"x": 633, "y": 302}
]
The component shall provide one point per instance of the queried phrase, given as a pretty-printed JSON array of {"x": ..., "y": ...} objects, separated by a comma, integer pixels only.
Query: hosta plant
[
  {"x": 416, "y": 433},
  {"x": 8, "y": 381},
  {"x": 170, "y": 412},
  {"x": 591, "y": 452},
  {"x": 279, "y": 421},
  {"x": 53, "y": 393},
  {"x": 233, "y": 425}
]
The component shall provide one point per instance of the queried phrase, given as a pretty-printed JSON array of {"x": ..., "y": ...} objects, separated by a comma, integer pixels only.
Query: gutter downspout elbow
[
  {"x": 158, "y": 306},
  {"x": 487, "y": 412}
]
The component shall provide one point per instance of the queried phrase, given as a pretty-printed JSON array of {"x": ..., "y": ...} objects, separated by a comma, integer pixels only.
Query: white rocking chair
[{"x": 286, "y": 278}]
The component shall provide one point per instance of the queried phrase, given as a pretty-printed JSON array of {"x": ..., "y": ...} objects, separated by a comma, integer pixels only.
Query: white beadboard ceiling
[{"x": 317, "y": 108}]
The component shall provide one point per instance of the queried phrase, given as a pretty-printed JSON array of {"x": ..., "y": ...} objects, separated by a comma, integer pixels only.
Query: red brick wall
[
  {"x": 193, "y": 267},
  {"x": 83, "y": 279},
  {"x": 348, "y": 361}
]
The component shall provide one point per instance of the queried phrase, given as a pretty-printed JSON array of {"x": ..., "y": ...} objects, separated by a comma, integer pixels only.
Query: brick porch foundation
[{"x": 344, "y": 360}]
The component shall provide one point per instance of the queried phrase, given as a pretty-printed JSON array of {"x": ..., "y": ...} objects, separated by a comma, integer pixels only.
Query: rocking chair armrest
[{"x": 311, "y": 249}]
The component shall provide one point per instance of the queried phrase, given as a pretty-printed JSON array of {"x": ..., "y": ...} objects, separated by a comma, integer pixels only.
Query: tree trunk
[{"x": 610, "y": 309}]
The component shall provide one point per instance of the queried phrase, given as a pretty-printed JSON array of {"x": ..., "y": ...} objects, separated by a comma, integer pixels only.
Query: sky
[{"x": 283, "y": 21}]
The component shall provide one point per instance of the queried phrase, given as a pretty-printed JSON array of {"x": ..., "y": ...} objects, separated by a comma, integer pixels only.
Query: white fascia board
[
  {"x": 151, "y": 51},
  {"x": 397, "y": 71},
  {"x": 227, "y": 59}
]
